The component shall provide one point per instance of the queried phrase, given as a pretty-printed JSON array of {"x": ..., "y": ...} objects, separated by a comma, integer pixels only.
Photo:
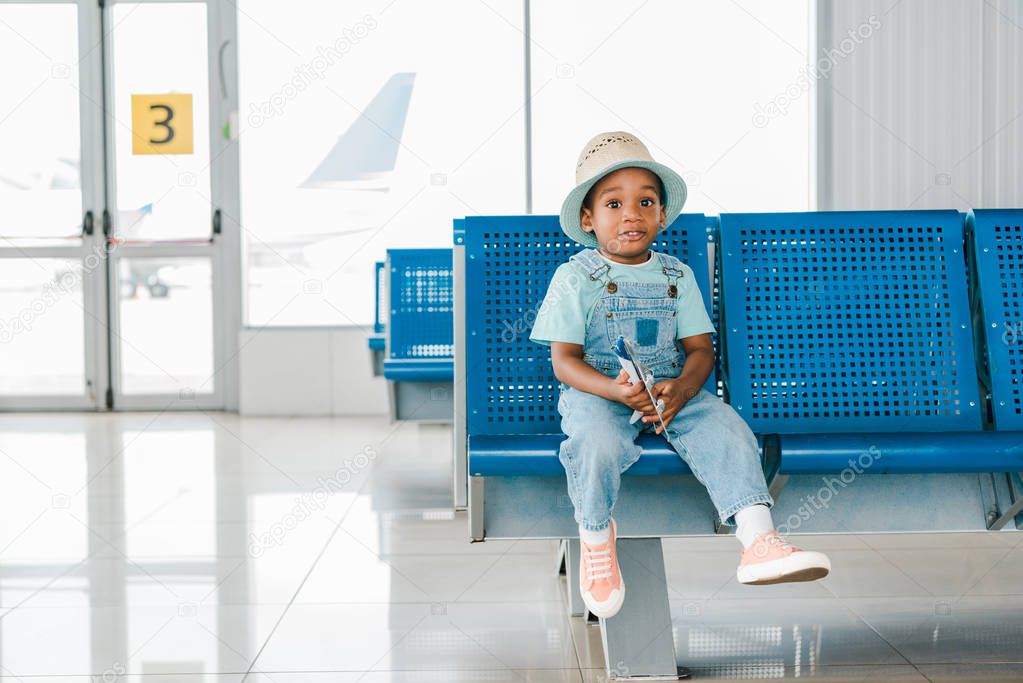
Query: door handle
[
  {"x": 216, "y": 224},
  {"x": 87, "y": 224}
]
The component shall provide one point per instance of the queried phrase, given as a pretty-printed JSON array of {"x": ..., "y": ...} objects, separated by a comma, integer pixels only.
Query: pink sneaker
[
  {"x": 771, "y": 559},
  {"x": 600, "y": 579}
]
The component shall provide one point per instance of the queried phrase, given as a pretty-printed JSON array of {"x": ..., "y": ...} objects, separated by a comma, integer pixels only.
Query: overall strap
[
  {"x": 673, "y": 270},
  {"x": 595, "y": 266}
]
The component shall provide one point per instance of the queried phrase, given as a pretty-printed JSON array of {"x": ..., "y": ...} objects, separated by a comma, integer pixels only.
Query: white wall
[
  {"x": 308, "y": 371},
  {"x": 925, "y": 112}
]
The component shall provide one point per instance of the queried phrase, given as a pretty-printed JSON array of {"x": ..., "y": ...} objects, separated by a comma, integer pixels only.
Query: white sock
[
  {"x": 751, "y": 521},
  {"x": 595, "y": 537}
]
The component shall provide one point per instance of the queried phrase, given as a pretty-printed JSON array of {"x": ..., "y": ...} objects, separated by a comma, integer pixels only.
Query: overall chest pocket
[{"x": 649, "y": 322}]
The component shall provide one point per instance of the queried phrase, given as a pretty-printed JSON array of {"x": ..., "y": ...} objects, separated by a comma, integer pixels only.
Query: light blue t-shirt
[{"x": 572, "y": 295}]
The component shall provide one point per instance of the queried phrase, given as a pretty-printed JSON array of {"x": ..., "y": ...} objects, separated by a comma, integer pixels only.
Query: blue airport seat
[
  {"x": 510, "y": 384},
  {"x": 997, "y": 246},
  {"x": 420, "y": 324},
  {"x": 995, "y": 241},
  {"x": 536, "y": 455},
  {"x": 418, "y": 370},
  {"x": 849, "y": 322},
  {"x": 419, "y": 360},
  {"x": 852, "y": 323}
]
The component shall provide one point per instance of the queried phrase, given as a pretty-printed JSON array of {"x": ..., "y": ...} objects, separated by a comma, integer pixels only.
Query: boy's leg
[
  {"x": 722, "y": 452},
  {"x": 601, "y": 444}
]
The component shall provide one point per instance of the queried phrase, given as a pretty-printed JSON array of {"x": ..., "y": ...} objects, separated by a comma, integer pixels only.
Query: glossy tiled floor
[{"x": 207, "y": 547}]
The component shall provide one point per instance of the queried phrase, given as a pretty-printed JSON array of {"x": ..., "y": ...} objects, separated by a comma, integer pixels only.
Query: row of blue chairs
[
  {"x": 412, "y": 340},
  {"x": 877, "y": 355}
]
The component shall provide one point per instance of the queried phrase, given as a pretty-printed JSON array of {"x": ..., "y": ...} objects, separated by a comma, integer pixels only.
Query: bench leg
[
  {"x": 1008, "y": 500},
  {"x": 477, "y": 512},
  {"x": 423, "y": 401},
  {"x": 638, "y": 641},
  {"x": 570, "y": 565},
  {"x": 392, "y": 402},
  {"x": 777, "y": 484}
]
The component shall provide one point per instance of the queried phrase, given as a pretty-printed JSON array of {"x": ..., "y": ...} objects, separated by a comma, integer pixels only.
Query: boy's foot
[
  {"x": 600, "y": 579},
  {"x": 773, "y": 560}
]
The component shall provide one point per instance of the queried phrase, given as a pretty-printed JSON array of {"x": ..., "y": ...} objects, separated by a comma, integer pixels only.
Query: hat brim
[{"x": 674, "y": 189}]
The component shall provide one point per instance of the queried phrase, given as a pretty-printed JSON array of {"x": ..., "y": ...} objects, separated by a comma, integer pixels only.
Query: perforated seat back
[
  {"x": 421, "y": 319},
  {"x": 998, "y": 253},
  {"x": 511, "y": 387},
  {"x": 848, "y": 322}
]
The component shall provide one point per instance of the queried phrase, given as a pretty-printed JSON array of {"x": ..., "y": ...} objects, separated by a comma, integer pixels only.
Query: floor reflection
[{"x": 211, "y": 547}]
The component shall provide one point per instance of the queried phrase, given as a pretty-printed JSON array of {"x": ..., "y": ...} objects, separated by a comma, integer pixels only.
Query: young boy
[{"x": 622, "y": 199}]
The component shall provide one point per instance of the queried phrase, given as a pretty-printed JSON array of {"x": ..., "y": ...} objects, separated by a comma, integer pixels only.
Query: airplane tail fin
[{"x": 369, "y": 147}]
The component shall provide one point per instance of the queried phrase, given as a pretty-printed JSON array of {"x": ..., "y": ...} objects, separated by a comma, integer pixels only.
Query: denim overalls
[{"x": 715, "y": 442}]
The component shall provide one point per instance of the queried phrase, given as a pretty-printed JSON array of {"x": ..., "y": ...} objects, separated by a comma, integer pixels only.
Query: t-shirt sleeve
[
  {"x": 692, "y": 313},
  {"x": 562, "y": 314}
]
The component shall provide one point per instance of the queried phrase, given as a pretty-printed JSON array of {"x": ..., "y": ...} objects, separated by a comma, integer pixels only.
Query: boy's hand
[
  {"x": 674, "y": 395},
  {"x": 632, "y": 395}
]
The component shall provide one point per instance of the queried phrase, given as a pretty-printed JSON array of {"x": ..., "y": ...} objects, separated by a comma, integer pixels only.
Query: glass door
[
  {"x": 164, "y": 242},
  {"x": 111, "y": 257},
  {"x": 52, "y": 260}
]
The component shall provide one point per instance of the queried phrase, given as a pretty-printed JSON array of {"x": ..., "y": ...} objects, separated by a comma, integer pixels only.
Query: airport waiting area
[{"x": 407, "y": 342}]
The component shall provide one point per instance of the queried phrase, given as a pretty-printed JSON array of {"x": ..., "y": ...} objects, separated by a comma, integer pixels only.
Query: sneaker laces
[
  {"x": 776, "y": 539},
  {"x": 598, "y": 564}
]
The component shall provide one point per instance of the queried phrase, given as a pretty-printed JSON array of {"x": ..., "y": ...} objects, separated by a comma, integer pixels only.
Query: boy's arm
[
  {"x": 699, "y": 363},
  {"x": 571, "y": 369}
]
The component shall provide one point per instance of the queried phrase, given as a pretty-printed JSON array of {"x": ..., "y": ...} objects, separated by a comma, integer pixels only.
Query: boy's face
[{"x": 625, "y": 214}]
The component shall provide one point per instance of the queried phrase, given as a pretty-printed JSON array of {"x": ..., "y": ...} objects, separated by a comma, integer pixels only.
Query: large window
[
  {"x": 368, "y": 125},
  {"x": 376, "y": 124},
  {"x": 693, "y": 79},
  {"x": 40, "y": 146}
]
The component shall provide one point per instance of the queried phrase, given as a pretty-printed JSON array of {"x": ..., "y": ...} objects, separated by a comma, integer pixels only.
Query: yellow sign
[{"x": 161, "y": 124}]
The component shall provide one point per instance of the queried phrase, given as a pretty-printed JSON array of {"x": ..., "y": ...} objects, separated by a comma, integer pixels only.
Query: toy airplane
[{"x": 638, "y": 371}]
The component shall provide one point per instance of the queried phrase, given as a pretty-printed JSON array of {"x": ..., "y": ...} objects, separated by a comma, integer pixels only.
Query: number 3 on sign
[{"x": 161, "y": 124}]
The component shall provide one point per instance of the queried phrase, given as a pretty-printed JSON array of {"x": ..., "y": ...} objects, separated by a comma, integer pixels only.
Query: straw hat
[{"x": 609, "y": 152}]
